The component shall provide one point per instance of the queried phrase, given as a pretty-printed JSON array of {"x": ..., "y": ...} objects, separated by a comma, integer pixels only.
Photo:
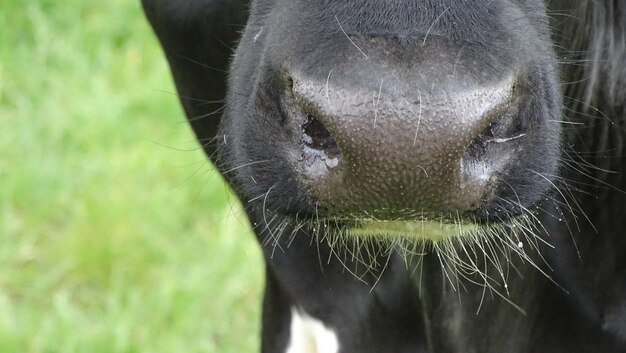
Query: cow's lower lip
[{"x": 424, "y": 230}]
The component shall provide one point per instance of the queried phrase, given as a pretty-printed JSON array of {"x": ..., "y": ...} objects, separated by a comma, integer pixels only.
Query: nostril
[
  {"x": 506, "y": 125},
  {"x": 316, "y": 137},
  {"x": 317, "y": 147},
  {"x": 320, "y": 152}
]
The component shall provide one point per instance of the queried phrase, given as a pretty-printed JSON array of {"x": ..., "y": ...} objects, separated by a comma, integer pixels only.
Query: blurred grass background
[{"x": 115, "y": 234}]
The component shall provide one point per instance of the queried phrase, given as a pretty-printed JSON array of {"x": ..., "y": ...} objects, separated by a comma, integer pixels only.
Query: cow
[{"x": 422, "y": 175}]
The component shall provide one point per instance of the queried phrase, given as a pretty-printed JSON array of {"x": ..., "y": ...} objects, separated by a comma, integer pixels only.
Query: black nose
[{"x": 395, "y": 144}]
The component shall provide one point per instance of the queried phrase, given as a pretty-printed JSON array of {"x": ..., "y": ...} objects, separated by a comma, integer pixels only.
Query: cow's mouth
[
  {"x": 508, "y": 229},
  {"x": 419, "y": 230}
]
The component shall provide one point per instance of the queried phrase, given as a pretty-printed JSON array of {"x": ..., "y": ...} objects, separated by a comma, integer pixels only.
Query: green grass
[{"x": 115, "y": 234}]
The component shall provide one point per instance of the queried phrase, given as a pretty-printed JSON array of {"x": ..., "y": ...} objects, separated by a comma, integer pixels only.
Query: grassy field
[{"x": 115, "y": 234}]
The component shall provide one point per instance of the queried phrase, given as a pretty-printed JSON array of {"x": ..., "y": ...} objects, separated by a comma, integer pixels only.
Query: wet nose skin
[{"x": 395, "y": 148}]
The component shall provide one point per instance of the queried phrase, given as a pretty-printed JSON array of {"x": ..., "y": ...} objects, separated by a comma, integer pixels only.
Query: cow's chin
[{"x": 418, "y": 230}]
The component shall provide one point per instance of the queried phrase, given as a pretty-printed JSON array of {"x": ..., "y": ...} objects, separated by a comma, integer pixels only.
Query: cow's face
[{"x": 402, "y": 117}]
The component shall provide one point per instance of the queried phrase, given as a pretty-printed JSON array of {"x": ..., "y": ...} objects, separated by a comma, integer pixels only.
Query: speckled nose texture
[{"x": 398, "y": 146}]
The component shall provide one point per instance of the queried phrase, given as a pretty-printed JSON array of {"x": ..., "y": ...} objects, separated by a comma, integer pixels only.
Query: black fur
[{"x": 574, "y": 302}]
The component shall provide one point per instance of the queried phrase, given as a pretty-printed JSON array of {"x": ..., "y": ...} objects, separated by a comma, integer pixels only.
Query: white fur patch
[{"x": 309, "y": 335}]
